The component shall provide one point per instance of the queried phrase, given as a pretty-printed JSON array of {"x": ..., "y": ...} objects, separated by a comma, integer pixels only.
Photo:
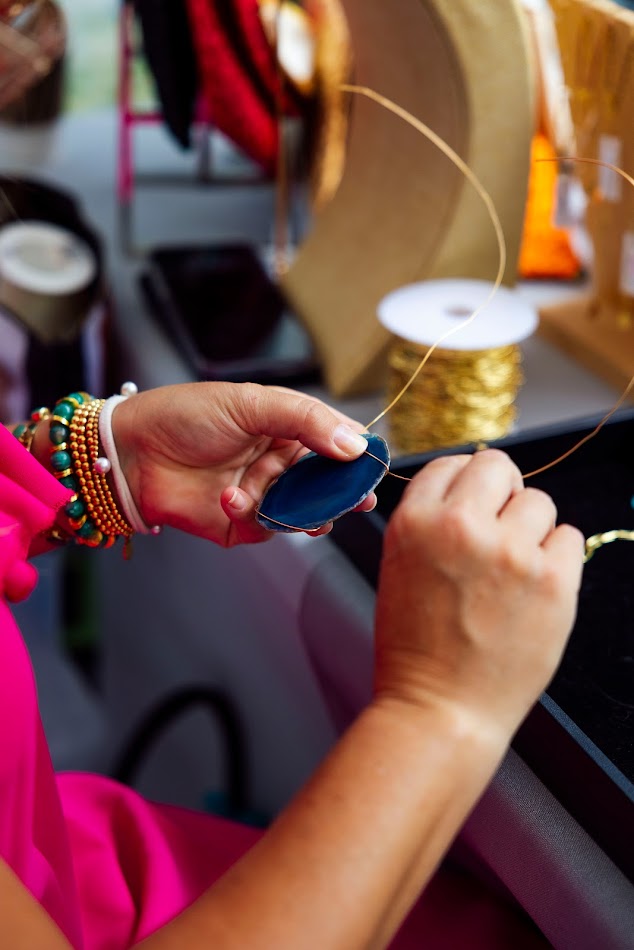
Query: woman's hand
[
  {"x": 478, "y": 592},
  {"x": 199, "y": 456}
]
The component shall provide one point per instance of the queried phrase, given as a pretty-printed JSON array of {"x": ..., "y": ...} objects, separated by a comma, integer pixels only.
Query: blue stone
[{"x": 317, "y": 489}]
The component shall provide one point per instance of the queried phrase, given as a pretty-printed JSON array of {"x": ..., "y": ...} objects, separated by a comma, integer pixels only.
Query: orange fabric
[{"x": 545, "y": 250}]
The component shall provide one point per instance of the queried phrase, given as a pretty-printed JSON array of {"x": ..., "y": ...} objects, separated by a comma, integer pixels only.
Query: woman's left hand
[{"x": 199, "y": 456}]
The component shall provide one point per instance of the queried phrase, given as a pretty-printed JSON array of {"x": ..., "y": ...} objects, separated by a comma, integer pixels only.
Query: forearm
[
  {"x": 24, "y": 923},
  {"x": 343, "y": 863}
]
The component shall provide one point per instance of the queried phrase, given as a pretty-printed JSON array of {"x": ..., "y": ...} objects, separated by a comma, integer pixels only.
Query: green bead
[
  {"x": 19, "y": 430},
  {"x": 86, "y": 531},
  {"x": 78, "y": 397},
  {"x": 65, "y": 410},
  {"x": 60, "y": 461},
  {"x": 58, "y": 433},
  {"x": 75, "y": 509},
  {"x": 69, "y": 481}
]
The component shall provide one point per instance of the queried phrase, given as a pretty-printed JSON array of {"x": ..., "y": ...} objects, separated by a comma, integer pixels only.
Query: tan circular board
[{"x": 403, "y": 212}]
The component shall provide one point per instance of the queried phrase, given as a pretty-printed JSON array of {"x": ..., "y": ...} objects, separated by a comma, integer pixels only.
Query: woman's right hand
[{"x": 477, "y": 594}]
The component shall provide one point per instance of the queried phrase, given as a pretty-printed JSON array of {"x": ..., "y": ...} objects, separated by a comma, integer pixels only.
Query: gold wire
[
  {"x": 293, "y": 527},
  {"x": 453, "y": 156}
]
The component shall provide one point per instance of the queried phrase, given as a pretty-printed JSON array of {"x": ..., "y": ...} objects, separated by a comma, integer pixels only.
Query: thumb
[{"x": 283, "y": 414}]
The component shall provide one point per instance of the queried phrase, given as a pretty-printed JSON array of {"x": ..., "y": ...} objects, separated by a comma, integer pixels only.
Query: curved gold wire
[
  {"x": 488, "y": 201},
  {"x": 628, "y": 388},
  {"x": 453, "y": 156}
]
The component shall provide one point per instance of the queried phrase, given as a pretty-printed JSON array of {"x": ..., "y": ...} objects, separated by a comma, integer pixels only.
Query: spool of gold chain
[{"x": 463, "y": 396}]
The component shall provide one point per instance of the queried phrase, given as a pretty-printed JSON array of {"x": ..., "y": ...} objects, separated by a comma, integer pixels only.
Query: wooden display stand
[
  {"x": 597, "y": 48},
  {"x": 592, "y": 336},
  {"x": 402, "y": 211}
]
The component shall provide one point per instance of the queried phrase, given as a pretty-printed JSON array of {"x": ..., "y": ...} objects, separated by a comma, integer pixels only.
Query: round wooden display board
[{"x": 402, "y": 211}]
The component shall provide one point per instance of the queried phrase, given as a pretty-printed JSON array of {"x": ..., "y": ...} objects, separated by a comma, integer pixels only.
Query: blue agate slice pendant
[{"x": 316, "y": 489}]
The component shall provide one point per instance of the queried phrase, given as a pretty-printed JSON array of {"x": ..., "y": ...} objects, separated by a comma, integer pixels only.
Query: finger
[
  {"x": 344, "y": 417},
  {"x": 368, "y": 503},
  {"x": 295, "y": 417},
  {"x": 530, "y": 516},
  {"x": 320, "y": 532},
  {"x": 489, "y": 481},
  {"x": 431, "y": 484},
  {"x": 241, "y": 509},
  {"x": 566, "y": 546}
]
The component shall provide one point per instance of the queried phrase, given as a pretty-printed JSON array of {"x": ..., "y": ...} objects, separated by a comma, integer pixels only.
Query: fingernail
[
  {"x": 349, "y": 441},
  {"x": 237, "y": 501}
]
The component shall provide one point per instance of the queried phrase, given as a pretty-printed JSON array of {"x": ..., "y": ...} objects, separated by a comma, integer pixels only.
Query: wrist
[
  {"x": 41, "y": 446},
  {"x": 457, "y": 723},
  {"x": 117, "y": 474}
]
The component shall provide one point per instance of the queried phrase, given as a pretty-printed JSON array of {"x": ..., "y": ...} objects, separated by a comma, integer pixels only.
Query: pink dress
[{"x": 108, "y": 866}]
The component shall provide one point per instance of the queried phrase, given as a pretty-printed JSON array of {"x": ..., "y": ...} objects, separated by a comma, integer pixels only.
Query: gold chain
[{"x": 597, "y": 541}]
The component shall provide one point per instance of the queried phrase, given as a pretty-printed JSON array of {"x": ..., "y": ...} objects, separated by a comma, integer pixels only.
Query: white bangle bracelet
[{"x": 126, "y": 501}]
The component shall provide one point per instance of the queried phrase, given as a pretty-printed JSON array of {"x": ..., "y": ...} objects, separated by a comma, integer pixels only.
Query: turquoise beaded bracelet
[
  {"x": 84, "y": 529},
  {"x": 25, "y": 431}
]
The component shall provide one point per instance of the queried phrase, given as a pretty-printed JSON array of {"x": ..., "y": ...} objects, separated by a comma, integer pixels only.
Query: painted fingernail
[
  {"x": 237, "y": 501},
  {"x": 349, "y": 441}
]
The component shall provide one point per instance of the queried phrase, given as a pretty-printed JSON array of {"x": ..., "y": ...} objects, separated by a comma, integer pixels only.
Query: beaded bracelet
[
  {"x": 74, "y": 433},
  {"x": 84, "y": 528},
  {"x": 25, "y": 431},
  {"x": 100, "y": 506},
  {"x": 91, "y": 511}
]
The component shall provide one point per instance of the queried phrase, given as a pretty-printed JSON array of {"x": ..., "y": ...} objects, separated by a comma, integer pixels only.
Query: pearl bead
[
  {"x": 156, "y": 529},
  {"x": 129, "y": 389},
  {"x": 102, "y": 465}
]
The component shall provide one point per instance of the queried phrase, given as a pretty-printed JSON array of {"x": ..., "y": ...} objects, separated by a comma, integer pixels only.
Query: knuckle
[
  {"x": 575, "y": 538},
  {"x": 512, "y": 560},
  {"x": 497, "y": 456},
  {"x": 444, "y": 462},
  {"x": 499, "y": 459},
  {"x": 541, "y": 499},
  {"x": 249, "y": 401},
  {"x": 458, "y": 526},
  {"x": 313, "y": 413},
  {"x": 407, "y": 521},
  {"x": 552, "y": 580}
]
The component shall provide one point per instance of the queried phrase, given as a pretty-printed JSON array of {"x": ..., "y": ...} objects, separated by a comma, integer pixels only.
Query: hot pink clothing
[{"x": 106, "y": 865}]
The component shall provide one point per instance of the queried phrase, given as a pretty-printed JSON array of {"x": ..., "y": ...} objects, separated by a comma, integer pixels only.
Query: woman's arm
[
  {"x": 199, "y": 456},
  {"x": 370, "y": 826},
  {"x": 477, "y": 596},
  {"x": 476, "y": 599},
  {"x": 24, "y": 924}
]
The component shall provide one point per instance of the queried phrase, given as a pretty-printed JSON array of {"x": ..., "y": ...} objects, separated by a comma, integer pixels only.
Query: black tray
[
  {"x": 579, "y": 739},
  {"x": 226, "y": 316}
]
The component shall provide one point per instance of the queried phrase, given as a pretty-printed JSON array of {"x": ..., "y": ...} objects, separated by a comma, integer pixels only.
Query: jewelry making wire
[
  {"x": 453, "y": 156},
  {"x": 499, "y": 233}
]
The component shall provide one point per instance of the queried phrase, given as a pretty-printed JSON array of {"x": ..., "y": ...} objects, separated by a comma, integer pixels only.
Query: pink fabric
[{"x": 107, "y": 866}]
